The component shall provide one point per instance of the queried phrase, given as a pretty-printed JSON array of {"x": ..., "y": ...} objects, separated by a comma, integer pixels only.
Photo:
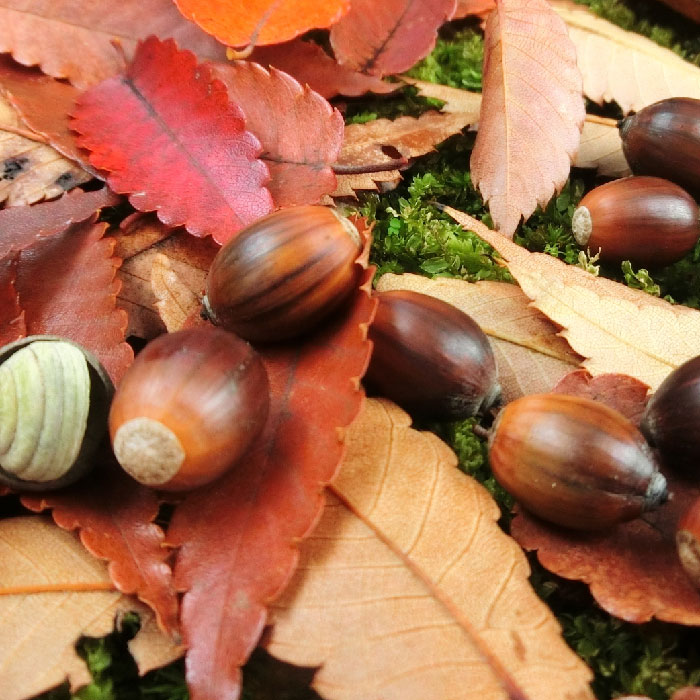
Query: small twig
[
  {"x": 394, "y": 164},
  {"x": 595, "y": 119},
  {"x": 480, "y": 431},
  {"x": 239, "y": 54},
  {"x": 86, "y": 587}
]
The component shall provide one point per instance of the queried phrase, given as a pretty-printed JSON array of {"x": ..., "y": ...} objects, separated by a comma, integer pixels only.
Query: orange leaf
[
  {"x": 258, "y": 22},
  {"x": 532, "y": 111}
]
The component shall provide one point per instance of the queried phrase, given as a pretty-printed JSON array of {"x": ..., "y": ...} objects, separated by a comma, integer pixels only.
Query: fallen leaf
[
  {"x": 238, "y": 538},
  {"x": 530, "y": 125},
  {"x": 258, "y": 22},
  {"x": 455, "y": 99},
  {"x": 382, "y": 39},
  {"x": 74, "y": 38},
  {"x": 169, "y": 115},
  {"x": 689, "y": 8},
  {"x": 66, "y": 593},
  {"x": 468, "y": 8},
  {"x": 407, "y": 589},
  {"x": 633, "y": 569},
  {"x": 115, "y": 515},
  {"x": 622, "y": 66},
  {"x": 308, "y": 63},
  {"x": 299, "y": 131},
  {"x": 175, "y": 300},
  {"x": 348, "y": 185},
  {"x": 530, "y": 355},
  {"x": 617, "y": 329},
  {"x": 31, "y": 170},
  {"x": 12, "y": 325}
]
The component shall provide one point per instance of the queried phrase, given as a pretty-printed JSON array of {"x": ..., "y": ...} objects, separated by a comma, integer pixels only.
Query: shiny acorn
[
  {"x": 54, "y": 400},
  {"x": 188, "y": 408},
  {"x": 574, "y": 462},
  {"x": 663, "y": 139},
  {"x": 647, "y": 220},
  {"x": 280, "y": 276},
  {"x": 688, "y": 542},
  {"x": 431, "y": 358},
  {"x": 671, "y": 420}
]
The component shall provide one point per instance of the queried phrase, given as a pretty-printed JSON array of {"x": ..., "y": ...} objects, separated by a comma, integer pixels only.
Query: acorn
[
  {"x": 688, "y": 542},
  {"x": 647, "y": 220},
  {"x": 671, "y": 420},
  {"x": 663, "y": 139},
  {"x": 188, "y": 408},
  {"x": 574, "y": 462},
  {"x": 431, "y": 358},
  {"x": 54, "y": 400},
  {"x": 280, "y": 276}
]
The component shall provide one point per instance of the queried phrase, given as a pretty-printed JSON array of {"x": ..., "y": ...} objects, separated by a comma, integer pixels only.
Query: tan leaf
[
  {"x": 530, "y": 356},
  {"x": 408, "y": 589},
  {"x": 176, "y": 301},
  {"x": 39, "y": 628},
  {"x": 348, "y": 185},
  {"x": 622, "y": 66},
  {"x": 455, "y": 99},
  {"x": 532, "y": 111},
  {"x": 601, "y": 148},
  {"x": 31, "y": 170},
  {"x": 617, "y": 329}
]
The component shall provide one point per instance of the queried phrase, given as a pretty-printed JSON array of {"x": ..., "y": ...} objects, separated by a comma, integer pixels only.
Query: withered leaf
[
  {"x": 175, "y": 299},
  {"x": 408, "y": 589}
]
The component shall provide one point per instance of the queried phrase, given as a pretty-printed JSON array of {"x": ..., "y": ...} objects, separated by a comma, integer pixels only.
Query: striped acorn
[{"x": 54, "y": 401}]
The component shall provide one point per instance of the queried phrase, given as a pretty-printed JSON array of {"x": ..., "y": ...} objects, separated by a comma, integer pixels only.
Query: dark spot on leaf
[
  {"x": 66, "y": 181},
  {"x": 12, "y": 167}
]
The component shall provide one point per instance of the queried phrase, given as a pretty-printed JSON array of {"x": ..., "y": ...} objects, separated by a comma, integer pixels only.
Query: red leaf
[
  {"x": 312, "y": 66},
  {"x": 168, "y": 134},
  {"x": 74, "y": 38},
  {"x": 301, "y": 134},
  {"x": 77, "y": 295},
  {"x": 22, "y": 226},
  {"x": 388, "y": 37},
  {"x": 115, "y": 517},
  {"x": 12, "y": 326},
  {"x": 238, "y": 538}
]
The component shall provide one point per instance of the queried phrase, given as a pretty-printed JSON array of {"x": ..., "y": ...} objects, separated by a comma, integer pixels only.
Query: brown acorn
[
  {"x": 574, "y": 462},
  {"x": 283, "y": 274},
  {"x": 663, "y": 139},
  {"x": 671, "y": 418},
  {"x": 688, "y": 542},
  {"x": 431, "y": 358},
  {"x": 646, "y": 220},
  {"x": 188, "y": 408}
]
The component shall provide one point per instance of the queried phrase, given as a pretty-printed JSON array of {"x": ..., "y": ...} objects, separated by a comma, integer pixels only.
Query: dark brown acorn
[
  {"x": 671, "y": 419},
  {"x": 574, "y": 462},
  {"x": 188, "y": 408},
  {"x": 646, "y": 220},
  {"x": 688, "y": 542},
  {"x": 282, "y": 275},
  {"x": 663, "y": 139},
  {"x": 54, "y": 400},
  {"x": 430, "y": 357}
]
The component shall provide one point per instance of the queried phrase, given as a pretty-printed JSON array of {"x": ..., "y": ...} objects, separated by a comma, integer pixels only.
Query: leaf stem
[{"x": 359, "y": 169}]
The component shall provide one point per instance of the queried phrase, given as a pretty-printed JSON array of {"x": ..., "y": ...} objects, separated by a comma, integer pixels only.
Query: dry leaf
[
  {"x": 39, "y": 629},
  {"x": 617, "y": 329},
  {"x": 348, "y": 185},
  {"x": 622, "y": 66},
  {"x": 175, "y": 300},
  {"x": 31, "y": 170},
  {"x": 408, "y": 590},
  {"x": 530, "y": 356},
  {"x": 467, "y": 8},
  {"x": 689, "y": 8},
  {"x": 601, "y": 148},
  {"x": 530, "y": 125}
]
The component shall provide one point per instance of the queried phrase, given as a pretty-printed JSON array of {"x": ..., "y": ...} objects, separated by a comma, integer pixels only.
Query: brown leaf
[
  {"x": 407, "y": 589},
  {"x": 532, "y": 111},
  {"x": 530, "y": 356},
  {"x": 31, "y": 170},
  {"x": 73, "y": 38},
  {"x": 349, "y": 185},
  {"x": 175, "y": 300},
  {"x": 622, "y": 66},
  {"x": 689, "y": 8},
  {"x": 311, "y": 65},
  {"x": 617, "y": 329},
  {"x": 12, "y": 325},
  {"x": 468, "y": 8},
  {"x": 39, "y": 629},
  {"x": 300, "y": 133},
  {"x": 388, "y": 38}
]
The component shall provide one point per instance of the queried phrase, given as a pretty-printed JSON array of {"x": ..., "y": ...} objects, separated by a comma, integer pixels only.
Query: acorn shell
[
  {"x": 431, "y": 358},
  {"x": 574, "y": 462},
  {"x": 50, "y": 443},
  {"x": 188, "y": 408},
  {"x": 280, "y": 276},
  {"x": 646, "y": 220}
]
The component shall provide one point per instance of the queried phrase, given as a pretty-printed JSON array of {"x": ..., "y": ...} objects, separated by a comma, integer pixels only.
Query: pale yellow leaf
[
  {"x": 455, "y": 99},
  {"x": 38, "y": 630},
  {"x": 175, "y": 300},
  {"x": 617, "y": 329},
  {"x": 408, "y": 589},
  {"x": 623, "y": 66},
  {"x": 530, "y": 356}
]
